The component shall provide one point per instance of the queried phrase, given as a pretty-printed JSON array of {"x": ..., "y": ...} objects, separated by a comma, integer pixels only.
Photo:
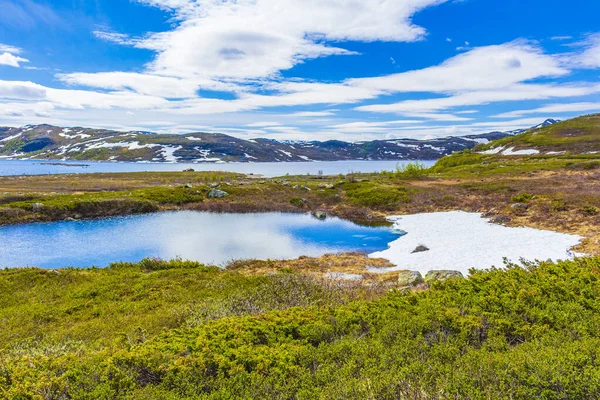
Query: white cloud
[
  {"x": 517, "y": 92},
  {"x": 312, "y": 114},
  {"x": 590, "y": 56},
  {"x": 489, "y": 67},
  {"x": 11, "y": 60},
  {"x": 561, "y": 38},
  {"x": 21, "y": 90},
  {"x": 114, "y": 37},
  {"x": 148, "y": 84},
  {"x": 264, "y": 124},
  {"x": 553, "y": 108},
  {"x": 258, "y": 38},
  {"x": 5, "y": 48}
]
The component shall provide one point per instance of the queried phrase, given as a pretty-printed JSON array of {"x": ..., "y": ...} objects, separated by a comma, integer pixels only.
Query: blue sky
[{"x": 299, "y": 69}]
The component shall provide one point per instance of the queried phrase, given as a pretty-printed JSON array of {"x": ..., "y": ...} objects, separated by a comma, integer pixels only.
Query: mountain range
[{"x": 47, "y": 142}]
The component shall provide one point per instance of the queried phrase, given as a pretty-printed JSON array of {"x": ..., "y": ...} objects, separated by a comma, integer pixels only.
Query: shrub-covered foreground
[{"x": 517, "y": 333}]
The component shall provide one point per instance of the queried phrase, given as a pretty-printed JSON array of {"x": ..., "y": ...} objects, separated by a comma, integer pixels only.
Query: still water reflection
[{"x": 206, "y": 237}]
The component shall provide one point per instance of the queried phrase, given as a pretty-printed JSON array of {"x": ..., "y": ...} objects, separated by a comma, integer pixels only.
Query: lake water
[
  {"x": 205, "y": 237},
  {"x": 37, "y": 167}
]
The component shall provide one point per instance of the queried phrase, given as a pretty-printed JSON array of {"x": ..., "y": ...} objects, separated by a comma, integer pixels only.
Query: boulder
[
  {"x": 37, "y": 207},
  {"x": 420, "y": 249},
  {"x": 442, "y": 275},
  {"x": 321, "y": 215},
  {"x": 306, "y": 188},
  {"x": 217, "y": 194},
  {"x": 500, "y": 219},
  {"x": 519, "y": 207},
  {"x": 409, "y": 278},
  {"x": 188, "y": 186},
  {"x": 213, "y": 185},
  {"x": 286, "y": 184}
]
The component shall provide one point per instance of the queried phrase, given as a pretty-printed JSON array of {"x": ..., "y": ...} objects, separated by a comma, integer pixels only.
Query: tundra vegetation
[{"x": 279, "y": 329}]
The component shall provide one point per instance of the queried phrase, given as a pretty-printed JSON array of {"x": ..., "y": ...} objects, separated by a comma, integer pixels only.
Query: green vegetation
[
  {"x": 182, "y": 330},
  {"x": 370, "y": 194}
]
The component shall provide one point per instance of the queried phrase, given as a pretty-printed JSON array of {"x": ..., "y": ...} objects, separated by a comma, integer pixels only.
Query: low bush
[{"x": 517, "y": 333}]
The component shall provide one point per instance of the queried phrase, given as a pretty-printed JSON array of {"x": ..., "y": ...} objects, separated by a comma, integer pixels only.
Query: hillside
[
  {"x": 52, "y": 142},
  {"x": 575, "y": 136}
]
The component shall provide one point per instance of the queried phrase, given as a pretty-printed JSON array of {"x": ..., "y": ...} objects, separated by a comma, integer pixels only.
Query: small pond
[{"x": 206, "y": 237}]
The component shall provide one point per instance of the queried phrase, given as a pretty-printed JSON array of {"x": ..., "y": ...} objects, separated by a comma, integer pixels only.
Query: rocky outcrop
[
  {"x": 409, "y": 278},
  {"x": 217, "y": 194},
  {"x": 442, "y": 275}
]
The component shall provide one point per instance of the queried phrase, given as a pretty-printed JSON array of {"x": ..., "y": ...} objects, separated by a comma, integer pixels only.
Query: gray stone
[
  {"x": 442, "y": 275},
  {"x": 37, "y": 207},
  {"x": 188, "y": 186},
  {"x": 286, "y": 184},
  {"x": 217, "y": 194},
  {"x": 500, "y": 219},
  {"x": 306, "y": 188},
  {"x": 213, "y": 185},
  {"x": 322, "y": 215},
  {"x": 420, "y": 249},
  {"x": 409, "y": 278}
]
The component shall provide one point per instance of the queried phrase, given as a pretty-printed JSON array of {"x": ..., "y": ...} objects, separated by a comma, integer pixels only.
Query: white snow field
[{"x": 460, "y": 241}]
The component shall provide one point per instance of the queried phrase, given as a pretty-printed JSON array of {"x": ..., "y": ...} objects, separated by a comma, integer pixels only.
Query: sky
[{"x": 299, "y": 69}]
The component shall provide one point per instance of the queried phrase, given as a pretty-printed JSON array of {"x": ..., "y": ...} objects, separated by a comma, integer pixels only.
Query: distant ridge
[{"x": 49, "y": 142}]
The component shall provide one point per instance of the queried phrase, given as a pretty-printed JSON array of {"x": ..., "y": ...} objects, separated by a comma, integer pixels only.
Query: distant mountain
[{"x": 49, "y": 142}]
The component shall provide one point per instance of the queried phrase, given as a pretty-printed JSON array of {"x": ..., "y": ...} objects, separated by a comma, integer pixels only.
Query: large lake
[
  {"x": 37, "y": 167},
  {"x": 205, "y": 237}
]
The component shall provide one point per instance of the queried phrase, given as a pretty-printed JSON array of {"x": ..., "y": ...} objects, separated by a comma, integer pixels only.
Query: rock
[
  {"x": 442, "y": 275},
  {"x": 286, "y": 184},
  {"x": 296, "y": 187},
  {"x": 306, "y": 188},
  {"x": 409, "y": 278},
  {"x": 189, "y": 170},
  {"x": 188, "y": 186},
  {"x": 217, "y": 194},
  {"x": 500, "y": 219},
  {"x": 420, "y": 249},
  {"x": 326, "y": 186},
  {"x": 321, "y": 215},
  {"x": 37, "y": 207},
  {"x": 213, "y": 185},
  {"x": 336, "y": 197}
]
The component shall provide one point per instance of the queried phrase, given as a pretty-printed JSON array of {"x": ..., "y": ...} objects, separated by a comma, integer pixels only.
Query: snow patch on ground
[
  {"x": 6, "y": 139},
  {"x": 525, "y": 152},
  {"x": 287, "y": 153},
  {"x": 127, "y": 145},
  {"x": 193, "y": 138},
  {"x": 168, "y": 153},
  {"x": 480, "y": 140},
  {"x": 305, "y": 158},
  {"x": 460, "y": 241},
  {"x": 495, "y": 150}
]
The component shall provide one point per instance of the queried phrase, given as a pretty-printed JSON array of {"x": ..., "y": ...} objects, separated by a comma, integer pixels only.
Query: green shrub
[
  {"x": 369, "y": 194},
  {"x": 298, "y": 202},
  {"x": 522, "y": 198}
]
